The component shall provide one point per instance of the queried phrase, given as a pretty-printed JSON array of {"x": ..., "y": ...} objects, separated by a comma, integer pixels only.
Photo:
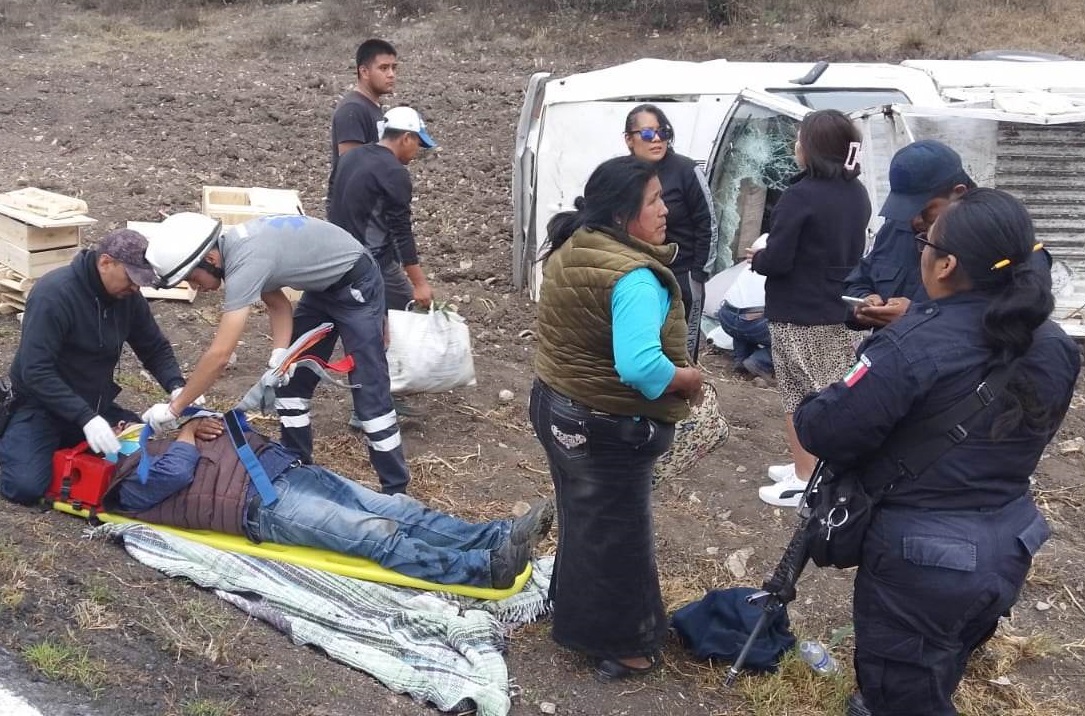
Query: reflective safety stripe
[
  {"x": 294, "y": 421},
  {"x": 375, "y": 425},
  {"x": 386, "y": 445},
  {"x": 292, "y": 403}
]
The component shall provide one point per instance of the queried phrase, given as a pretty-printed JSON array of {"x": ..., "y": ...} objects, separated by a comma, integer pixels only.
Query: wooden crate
[
  {"x": 39, "y": 230},
  {"x": 47, "y": 204},
  {"x": 13, "y": 282},
  {"x": 37, "y": 238},
  {"x": 35, "y": 264},
  {"x": 13, "y": 291},
  {"x": 13, "y": 301},
  {"x": 236, "y": 205}
]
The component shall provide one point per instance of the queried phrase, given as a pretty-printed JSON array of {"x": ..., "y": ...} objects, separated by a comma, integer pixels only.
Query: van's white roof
[
  {"x": 1064, "y": 76},
  {"x": 652, "y": 78}
]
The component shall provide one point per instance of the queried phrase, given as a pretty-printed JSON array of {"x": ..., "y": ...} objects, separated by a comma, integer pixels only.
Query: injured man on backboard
[{"x": 204, "y": 480}]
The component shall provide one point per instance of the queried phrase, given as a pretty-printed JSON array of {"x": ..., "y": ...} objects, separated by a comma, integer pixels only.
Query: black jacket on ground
[
  {"x": 816, "y": 236},
  {"x": 73, "y": 334},
  {"x": 690, "y": 221}
]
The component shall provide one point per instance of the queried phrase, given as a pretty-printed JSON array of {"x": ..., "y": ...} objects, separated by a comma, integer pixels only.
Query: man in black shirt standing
[
  {"x": 355, "y": 120},
  {"x": 371, "y": 198}
]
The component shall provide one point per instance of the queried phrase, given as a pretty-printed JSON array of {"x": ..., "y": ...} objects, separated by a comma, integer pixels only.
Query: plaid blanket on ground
[{"x": 439, "y": 648}]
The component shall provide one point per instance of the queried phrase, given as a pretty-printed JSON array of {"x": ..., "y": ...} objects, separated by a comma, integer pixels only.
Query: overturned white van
[{"x": 1018, "y": 126}]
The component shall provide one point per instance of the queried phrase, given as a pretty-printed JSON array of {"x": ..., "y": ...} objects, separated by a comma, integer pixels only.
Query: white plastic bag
[{"x": 429, "y": 352}]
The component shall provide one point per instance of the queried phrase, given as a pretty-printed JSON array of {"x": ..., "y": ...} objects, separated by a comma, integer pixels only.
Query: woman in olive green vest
[{"x": 613, "y": 378}]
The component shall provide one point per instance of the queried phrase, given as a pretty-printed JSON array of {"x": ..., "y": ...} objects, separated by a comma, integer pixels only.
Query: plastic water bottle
[{"x": 818, "y": 657}]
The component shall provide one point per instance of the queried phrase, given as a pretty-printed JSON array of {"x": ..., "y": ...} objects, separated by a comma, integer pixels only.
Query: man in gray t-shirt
[{"x": 342, "y": 284}]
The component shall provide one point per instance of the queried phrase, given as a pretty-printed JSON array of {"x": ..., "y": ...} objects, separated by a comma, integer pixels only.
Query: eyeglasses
[
  {"x": 921, "y": 241},
  {"x": 649, "y": 134}
]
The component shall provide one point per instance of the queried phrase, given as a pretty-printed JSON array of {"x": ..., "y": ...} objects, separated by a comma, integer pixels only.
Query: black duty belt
[{"x": 356, "y": 272}]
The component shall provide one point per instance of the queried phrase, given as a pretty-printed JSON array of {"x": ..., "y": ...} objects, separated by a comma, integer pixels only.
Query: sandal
[{"x": 607, "y": 670}]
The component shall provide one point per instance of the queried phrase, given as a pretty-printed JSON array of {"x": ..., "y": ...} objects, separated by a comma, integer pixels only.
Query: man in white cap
[
  {"x": 77, "y": 320},
  {"x": 371, "y": 198},
  {"x": 342, "y": 285}
]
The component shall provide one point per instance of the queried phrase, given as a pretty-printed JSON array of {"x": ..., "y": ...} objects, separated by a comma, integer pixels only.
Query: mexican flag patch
[{"x": 857, "y": 371}]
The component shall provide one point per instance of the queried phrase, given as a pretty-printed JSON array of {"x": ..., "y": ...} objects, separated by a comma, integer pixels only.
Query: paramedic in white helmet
[{"x": 342, "y": 284}]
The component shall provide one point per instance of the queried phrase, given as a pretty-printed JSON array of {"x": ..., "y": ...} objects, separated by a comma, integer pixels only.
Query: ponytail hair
[
  {"x": 613, "y": 195},
  {"x": 992, "y": 235},
  {"x": 830, "y": 144}
]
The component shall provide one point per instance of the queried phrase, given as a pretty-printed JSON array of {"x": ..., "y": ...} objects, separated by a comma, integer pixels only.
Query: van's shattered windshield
[{"x": 754, "y": 163}]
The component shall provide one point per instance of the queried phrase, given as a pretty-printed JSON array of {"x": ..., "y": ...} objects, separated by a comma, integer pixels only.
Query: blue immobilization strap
[
  {"x": 236, "y": 425},
  {"x": 143, "y": 470}
]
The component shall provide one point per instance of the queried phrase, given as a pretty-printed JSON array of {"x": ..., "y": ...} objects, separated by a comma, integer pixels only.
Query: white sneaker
[
  {"x": 785, "y": 493},
  {"x": 777, "y": 473}
]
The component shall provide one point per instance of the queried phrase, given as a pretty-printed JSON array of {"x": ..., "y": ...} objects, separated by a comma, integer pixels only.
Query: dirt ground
[{"x": 136, "y": 119}]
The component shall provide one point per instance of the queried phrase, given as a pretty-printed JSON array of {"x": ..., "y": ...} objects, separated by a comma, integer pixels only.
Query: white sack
[{"x": 429, "y": 352}]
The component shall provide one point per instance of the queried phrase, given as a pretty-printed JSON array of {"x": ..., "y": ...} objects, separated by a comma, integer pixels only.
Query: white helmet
[{"x": 178, "y": 244}]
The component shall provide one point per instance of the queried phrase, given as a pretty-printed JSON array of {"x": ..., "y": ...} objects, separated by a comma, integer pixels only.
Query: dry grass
[
  {"x": 871, "y": 29},
  {"x": 199, "y": 628},
  {"x": 796, "y": 689},
  {"x": 89, "y": 614},
  {"x": 991, "y": 685}
]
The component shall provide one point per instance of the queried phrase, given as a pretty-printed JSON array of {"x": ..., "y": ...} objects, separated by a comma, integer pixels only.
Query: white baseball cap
[{"x": 406, "y": 119}]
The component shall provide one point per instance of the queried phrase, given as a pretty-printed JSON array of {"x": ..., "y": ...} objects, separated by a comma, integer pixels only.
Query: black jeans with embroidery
[{"x": 605, "y": 585}]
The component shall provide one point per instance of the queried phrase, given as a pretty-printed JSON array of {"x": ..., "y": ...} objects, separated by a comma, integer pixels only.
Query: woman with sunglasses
[
  {"x": 691, "y": 223},
  {"x": 614, "y": 377},
  {"x": 948, "y": 549},
  {"x": 817, "y": 231}
]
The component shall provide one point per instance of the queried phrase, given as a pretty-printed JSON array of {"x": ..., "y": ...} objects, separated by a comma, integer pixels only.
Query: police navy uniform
[
  {"x": 949, "y": 550},
  {"x": 890, "y": 268}
]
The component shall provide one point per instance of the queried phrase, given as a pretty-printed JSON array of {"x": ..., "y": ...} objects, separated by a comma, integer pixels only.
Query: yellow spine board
[{"x": 342, "y": 564}]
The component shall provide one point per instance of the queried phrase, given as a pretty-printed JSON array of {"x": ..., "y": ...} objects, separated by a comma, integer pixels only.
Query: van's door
[
  {"x": 749, "y": 166},
  {"x": 523, "y": 179}
]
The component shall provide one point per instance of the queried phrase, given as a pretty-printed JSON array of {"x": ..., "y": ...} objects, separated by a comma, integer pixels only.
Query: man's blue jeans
[
  {"x": 317, "y": 508},
  {"x": 749, "y": 329},
  {"x": 28, "y": 444}
]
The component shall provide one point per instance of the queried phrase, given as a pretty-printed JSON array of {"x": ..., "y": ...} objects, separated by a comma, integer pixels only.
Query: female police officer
[{"x": 948, "y": 551}]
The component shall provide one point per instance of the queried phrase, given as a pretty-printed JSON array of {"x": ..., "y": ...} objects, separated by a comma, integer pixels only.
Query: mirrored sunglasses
[{"x": 649, "y": 134}]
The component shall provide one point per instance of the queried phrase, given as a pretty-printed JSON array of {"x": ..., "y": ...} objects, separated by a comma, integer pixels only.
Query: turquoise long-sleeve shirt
[{"x": 638, "y": 306}]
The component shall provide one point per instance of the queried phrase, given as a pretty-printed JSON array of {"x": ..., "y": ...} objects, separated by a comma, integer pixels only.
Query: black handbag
[{"x": 841, "y": 504}]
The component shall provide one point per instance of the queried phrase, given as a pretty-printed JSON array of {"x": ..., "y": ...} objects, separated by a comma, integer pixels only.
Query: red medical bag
[{"x": 80, "y": 478}]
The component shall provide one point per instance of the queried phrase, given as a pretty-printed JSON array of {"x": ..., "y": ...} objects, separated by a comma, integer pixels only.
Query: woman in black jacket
[
  {"x": 691, "y": 223},
  {"x": 816, "y": 235}
]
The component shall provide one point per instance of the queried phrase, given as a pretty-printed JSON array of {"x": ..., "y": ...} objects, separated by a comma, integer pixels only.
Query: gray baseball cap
[{"x": 130, "y": 248}]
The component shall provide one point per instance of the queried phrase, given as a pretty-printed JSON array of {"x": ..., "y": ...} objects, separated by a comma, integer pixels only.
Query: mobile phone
[{"x": 853, "y": 301}]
